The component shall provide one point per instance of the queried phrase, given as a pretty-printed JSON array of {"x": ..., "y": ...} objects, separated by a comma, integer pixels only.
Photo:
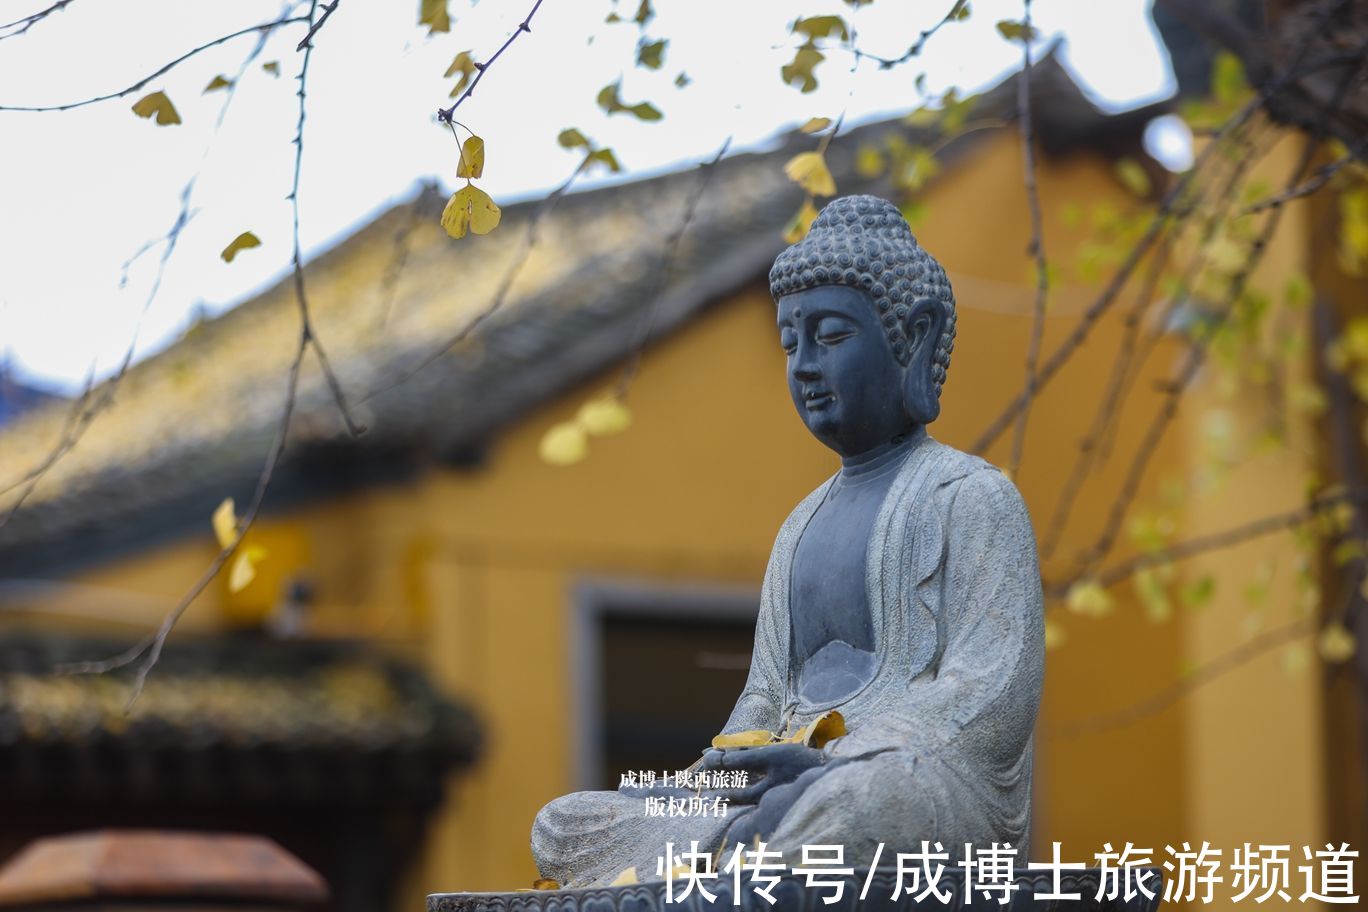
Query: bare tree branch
[
  {"x": 1036, "y": 248},
  {"x": 25, "y": 23},
  {"x": 445, "y": 114},
  {"x": 264, "y": 27}
]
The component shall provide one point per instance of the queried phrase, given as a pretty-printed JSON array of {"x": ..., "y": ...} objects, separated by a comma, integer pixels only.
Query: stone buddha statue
[{"x": 903, "y": 593}]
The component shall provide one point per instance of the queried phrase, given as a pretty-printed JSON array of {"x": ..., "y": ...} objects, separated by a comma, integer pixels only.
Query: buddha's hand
[{"x": 766, "y": 766}]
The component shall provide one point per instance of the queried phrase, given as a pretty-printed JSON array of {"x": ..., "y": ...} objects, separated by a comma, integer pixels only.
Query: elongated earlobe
[{"x": 923, "y": 326}]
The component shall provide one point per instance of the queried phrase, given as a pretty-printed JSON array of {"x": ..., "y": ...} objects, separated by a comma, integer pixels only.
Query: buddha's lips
[{"x": 817, "y": 399}]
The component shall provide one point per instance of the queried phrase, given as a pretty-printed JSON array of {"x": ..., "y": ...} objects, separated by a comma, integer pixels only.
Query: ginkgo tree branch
[
  {"x": 957, "y": 11},
  {"x": 141, "y": 83},
  {"x": 445, "y": 114},
  {"x": 147, "y": 653},
  {"x": 1036, "y": 247},
  {"x": 666, "y": 271},
  {"x": 1218, "y": 541},
  {"x": 23, "y": 24},
  {"x": 91, "y": 401},
  {"x": 318, "y": 24}
]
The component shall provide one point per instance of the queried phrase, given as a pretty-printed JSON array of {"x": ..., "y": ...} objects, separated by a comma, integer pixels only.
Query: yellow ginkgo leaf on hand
[
  {"x": 604, "y": 415},
  {"x": 241, "y": 242},
  {"x": 829, "y": 726},
  {"x": 545, "y": 883},
  {"x": 1336, "y": 643},
  {"x": 470, "y": 209},
  {"x": 565, "y": 444},
  {"x": 244, "y": 567},
  {"x": 472, "y": 159},
  {"x": 753, "y": 738},
  {"x": 816, "y": 125},
  {"x": 225, "y": 523},
  {"x": 809, "y": 171},
  {"x": 157, "y": 103}
]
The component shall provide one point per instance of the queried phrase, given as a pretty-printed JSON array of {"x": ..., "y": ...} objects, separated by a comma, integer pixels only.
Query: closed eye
[{"x": 831, "y": 338}]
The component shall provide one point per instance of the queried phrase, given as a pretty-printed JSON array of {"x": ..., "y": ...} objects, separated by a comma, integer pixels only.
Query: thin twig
[
  {"x": 1037, "y": 245},
  {"x": 1089, "y": 445},
  {"x": 1167, "y": 207},
  {"x": 665, "y": 272},
  {"x": 1218, "y": 541},
  {"x": 1196, "y": 358},
  {"x": 519, "y": 260},
  {"x": 1314, "y": 183},
  {"x": 313, "y": 29},
  {"x": 887, "y": 63},
  {"x": 445, "y": 114},
  {"x": 265, "y": 26},
  {"x": 27, "y": 22},
  {"x": 1158, "y": 702},
  {"x": 147, "y": 653}
]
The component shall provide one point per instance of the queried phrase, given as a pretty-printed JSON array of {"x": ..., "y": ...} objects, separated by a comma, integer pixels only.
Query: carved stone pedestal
[{"x": 792, "y": 894}]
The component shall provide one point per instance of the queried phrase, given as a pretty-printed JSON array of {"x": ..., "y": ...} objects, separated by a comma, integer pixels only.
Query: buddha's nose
[{"x": 807, "y": 372}]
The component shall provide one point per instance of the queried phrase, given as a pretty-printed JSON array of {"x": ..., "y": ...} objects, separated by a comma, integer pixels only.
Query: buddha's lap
[{"x": 888, "y": 798}]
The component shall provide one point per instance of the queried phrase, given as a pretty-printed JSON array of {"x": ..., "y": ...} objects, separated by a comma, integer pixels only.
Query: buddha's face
[{"x": 842, "y": 375}]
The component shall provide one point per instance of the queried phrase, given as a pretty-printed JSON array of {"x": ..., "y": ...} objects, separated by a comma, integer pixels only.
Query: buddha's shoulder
[{"x": 969, "y": 481}]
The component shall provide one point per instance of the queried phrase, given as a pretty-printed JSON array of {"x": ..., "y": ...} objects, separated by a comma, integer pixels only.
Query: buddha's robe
[{"x": 939, "y": 741}]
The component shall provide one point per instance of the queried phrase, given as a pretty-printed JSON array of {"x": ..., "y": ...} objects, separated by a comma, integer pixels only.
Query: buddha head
[{"x": 867, "y": 320}]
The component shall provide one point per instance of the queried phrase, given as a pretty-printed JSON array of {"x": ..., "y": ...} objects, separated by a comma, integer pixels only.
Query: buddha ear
[{"x": 922, "y": 326}]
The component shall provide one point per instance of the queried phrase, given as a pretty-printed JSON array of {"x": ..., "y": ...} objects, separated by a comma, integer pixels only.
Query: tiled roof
[
  {"x": 332, "y": 703},
  {"x": 193, "y": 424}
]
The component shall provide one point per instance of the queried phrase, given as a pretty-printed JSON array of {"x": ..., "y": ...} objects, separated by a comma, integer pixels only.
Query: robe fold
[{"x": 939, "y": 741}]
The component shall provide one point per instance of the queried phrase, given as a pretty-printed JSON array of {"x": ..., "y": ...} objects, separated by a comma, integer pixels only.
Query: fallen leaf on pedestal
[{"x": 625, "y": 879}]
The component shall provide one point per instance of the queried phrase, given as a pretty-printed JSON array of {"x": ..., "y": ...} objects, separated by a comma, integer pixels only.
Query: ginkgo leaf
[
  {"x": 545, "y": 883},
  {"x": 809, "y": 171},
  {"x": 157, "y": 103},
  {"x": 472, "y": 159},
  {"x": 753, "y": 738},
  {"x": 1087, "y": 597},
  {"x": 241, "y": 242},
  {"x": 434, "y": 14},
  {"x": 604, "y": 415},
  {"x": 829, "y": 726},
  {"x": 816, "y": 125},
  {"x": 272, "y": 67},
  {"x": 610, "y": 100},
  {"x": 470, "y": 208},
  {"x": 625, "y": 879},
  {"x": 1132, "y": 175},
  {"x": 644, "y": 13},
  {"x": 606, "y": 158},
  {"x": 815, "y": 27},
  {"x": 218, "y": 82},
  {"x": 798, "y": 71},
  {"x": 1017, "y": 31},
  {"x": 225, "y": 523},
  {"x": 244, "y": 567},
  {"x": 682, "y": 80},
  {"x": 571, "y": 138},
  {"x": 564, "y": 444},
  {"x": 465, "y": 65},
  {"x": 652, "y": 55},
  {"x": 800, "y": 223},
  {"x": 1336, "y": 643}
]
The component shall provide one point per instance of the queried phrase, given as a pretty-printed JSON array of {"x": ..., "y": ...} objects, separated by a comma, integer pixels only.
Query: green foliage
[{"x": 610, "y": 100}]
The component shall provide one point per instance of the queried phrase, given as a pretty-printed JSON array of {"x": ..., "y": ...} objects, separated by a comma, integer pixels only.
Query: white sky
[{"x": 82, "y": 190}]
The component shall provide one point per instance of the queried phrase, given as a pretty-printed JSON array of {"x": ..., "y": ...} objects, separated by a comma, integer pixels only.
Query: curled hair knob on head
[{"x": 864, "y": 242}]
